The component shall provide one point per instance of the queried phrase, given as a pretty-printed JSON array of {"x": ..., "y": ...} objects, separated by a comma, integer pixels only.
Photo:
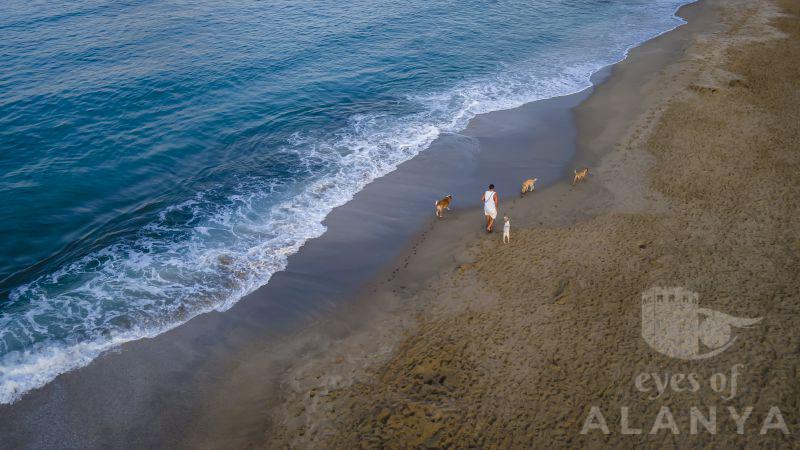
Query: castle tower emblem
[{"x": 674, "y": 324}]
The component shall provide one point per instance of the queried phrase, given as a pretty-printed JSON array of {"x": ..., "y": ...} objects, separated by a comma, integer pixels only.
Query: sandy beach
[
  {"x": 692, "y": 148},
  {"x": 396, "y": 329}
]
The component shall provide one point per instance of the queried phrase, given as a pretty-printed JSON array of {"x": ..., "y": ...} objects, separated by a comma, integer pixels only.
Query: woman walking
[{"x": 490, "y": 206}]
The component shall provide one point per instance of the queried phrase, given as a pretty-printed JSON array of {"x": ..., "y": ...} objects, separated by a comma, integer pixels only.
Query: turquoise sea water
[{"x": 161, "y": 159}]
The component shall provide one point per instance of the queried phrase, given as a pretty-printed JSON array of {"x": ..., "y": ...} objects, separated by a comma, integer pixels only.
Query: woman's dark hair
[{"x": 491, "y": 186}]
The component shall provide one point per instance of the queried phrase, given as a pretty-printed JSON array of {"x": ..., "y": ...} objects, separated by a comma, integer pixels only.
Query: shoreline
[
  {"x": 432, "y": 364},
  {"x": 182, "y": 368},
  {"x": 83, "y": 355},
  {"x": 179, "y": 370},
  {"x": 388, "y": 304},
  {"x": 400, "y": 290}
]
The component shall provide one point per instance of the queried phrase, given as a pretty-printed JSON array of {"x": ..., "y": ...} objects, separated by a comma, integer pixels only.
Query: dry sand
[{"x": 694, "y": 149}]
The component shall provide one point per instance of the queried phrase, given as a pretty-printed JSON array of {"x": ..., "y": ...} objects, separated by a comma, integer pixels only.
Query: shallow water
[{"x": 162, "y": 159}]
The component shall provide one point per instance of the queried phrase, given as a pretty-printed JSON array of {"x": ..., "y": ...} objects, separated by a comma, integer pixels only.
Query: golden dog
[
  {"x": 528, "y": 186},
  {"x": 580, "y": 175},
  {"x": 443, "y": 204}
]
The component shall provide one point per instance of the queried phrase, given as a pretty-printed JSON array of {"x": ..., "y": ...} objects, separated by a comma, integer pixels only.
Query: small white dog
[{"x": 506, "y": 230}]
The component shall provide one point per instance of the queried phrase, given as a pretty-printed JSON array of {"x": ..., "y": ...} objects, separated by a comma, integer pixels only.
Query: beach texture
[{"x": 694, "y": 182}]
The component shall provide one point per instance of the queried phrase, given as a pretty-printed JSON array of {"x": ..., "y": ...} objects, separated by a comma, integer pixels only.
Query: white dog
[{"x": 506, "y": 230}]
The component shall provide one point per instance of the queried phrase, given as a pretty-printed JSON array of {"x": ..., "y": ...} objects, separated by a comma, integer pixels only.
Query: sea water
[{"x": 161, "y": 159}]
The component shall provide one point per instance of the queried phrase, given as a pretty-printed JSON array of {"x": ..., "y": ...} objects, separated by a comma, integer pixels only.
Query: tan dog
[
  {"x": 443, "y": 204},
  {"x": 580, "y": 175},
  {"x": 528, "y": 186}
]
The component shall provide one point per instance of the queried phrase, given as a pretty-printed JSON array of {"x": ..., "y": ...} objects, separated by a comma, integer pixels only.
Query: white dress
[{"x": 488, "y": 204}]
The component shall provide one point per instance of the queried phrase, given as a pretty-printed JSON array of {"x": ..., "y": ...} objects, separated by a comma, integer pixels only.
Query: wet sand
[{"x": 693, "y": 149}]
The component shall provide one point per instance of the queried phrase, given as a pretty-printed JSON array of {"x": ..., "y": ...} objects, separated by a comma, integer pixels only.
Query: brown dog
[
  {"x": 528, "y": 186},
  {"x": 580, "y": 175},
  {"x": 443, "y": 204}
]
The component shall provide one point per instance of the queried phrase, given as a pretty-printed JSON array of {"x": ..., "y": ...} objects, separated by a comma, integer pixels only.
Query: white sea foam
[{"x": 208, "y": 252}]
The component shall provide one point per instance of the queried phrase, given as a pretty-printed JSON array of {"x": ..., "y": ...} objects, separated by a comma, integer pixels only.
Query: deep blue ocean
[{"x": 160, "y": 159}]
